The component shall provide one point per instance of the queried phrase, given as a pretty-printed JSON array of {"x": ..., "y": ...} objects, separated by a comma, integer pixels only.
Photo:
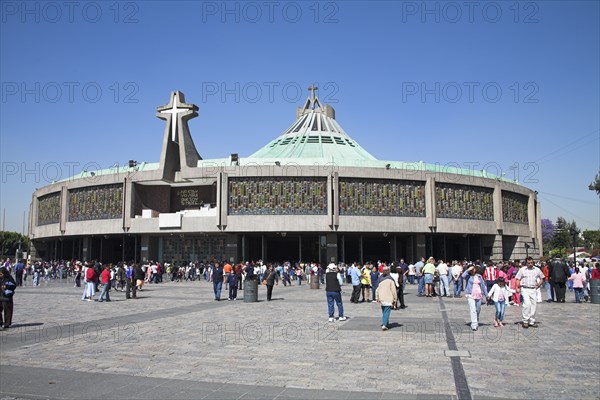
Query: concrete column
[
  {"x": 128, "y": 201},
  {"x": 86, "y": 248},
  {"x": 145, "y": 248},
  {"x": 244, "y": 249},
  {"x": 430, "y": 203},
  {"x": 539, "y": 243},
  {"x": 330, "y": 201},
  {"x": 224, "y": 199},
  {"x": 32, "y": 221},
  {"x": 336, "y": 199},
  {"x": 160, "y": 251},
  {"x": 360, "y": 248},
  {"x": 495, "y": 242},
  {"x": 222, "y": 194},
  {"x": 531, "y": 216},
  {"x": 153, "y": 248},
  {"x": 231, "y": 247},
  {"x": 332, "y": 246},
  {"x": 64, "y": 203},
  {"x": 420, "y": 247},
  {"x": 497, "y": 198}
]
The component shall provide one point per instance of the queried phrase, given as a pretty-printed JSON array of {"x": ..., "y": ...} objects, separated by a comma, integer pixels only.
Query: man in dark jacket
[
  {"x": 272, "y": 279},
  {"x": 558, "y": 273},
  {"x": 333, "y": 292},
  {"x": 216, "y": 278}
]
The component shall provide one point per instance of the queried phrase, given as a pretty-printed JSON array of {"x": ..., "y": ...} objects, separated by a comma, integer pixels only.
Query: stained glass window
[
  {"x": 49, "y": 209},
  {"x": 277, "y": 196},
  {"x": 380, "y": 197},
  {"x": 515, "y": 207},
  {"x": 96, "y": 202},
  {"x": 464, "y": 201}
]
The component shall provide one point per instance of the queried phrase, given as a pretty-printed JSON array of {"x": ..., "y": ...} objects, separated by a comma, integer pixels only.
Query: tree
[
  {"x": 547, "y": 231},
  {"x": 591, "y": 240},
  {"x": 10, "y": 243},
  {"x": 562, "y": 237},
  {"x": 595, "y": 185}
]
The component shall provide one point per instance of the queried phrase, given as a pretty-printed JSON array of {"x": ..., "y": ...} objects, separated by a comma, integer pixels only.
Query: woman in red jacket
[{"x": 596, "y": 272}]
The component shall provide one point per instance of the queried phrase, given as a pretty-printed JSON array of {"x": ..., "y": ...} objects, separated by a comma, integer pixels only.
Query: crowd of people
[{"x": 500, "y": 284}]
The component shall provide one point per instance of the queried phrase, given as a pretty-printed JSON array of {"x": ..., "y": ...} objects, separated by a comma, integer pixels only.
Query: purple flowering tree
[{"x": 548, "y": 229}]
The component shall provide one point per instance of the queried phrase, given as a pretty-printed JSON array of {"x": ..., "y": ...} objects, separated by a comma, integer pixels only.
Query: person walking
[
  {"x": 19, "y": 268},
  {"x": 270, "y": 280},
  {"x": 375, "y": 274},
  {"x": 596, "y": 272},
  {"x": 386, "y": 295},
  {"x": 579, "y": 280},
  {"x": 232, "y": 280},
  {"x": 216, "y": 277},
  {"x": 106, "y": 283},
  {"x": 398, "y": 276},
  {"x": 365, "y": 282},
  {"x": 7, "y": 291},
  {"x": 547, "y": 284},
  {"x": 457, "y": 271},
  {"x": 78, "y": 274},
  {"x": 499, "y": 294},
  {"x": 90, "y": 284},
  {"x": 490, "y": 276},
  {"x": 474, "y": 292},
  {"x": 558, "y": 273},
  {"x": 227, "y": 270},
  {"x": 420, "y": 278},
  {"x": 333, "y": 291},
  {"x": 239, "y": 272},
  {"x": 130, "y": 286},
  {"x": 139, "y": 275},
  {"x": 355, "y": 276},
  {"x": 529, "y": 279},
  {"x": 442, "y": 269}
]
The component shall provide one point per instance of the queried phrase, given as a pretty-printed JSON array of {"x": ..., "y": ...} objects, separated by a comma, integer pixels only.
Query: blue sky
[{"x": 493, "y": 84}]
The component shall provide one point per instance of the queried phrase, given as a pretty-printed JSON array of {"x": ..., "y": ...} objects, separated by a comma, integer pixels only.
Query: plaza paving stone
[{"x": 175, "y": 341}]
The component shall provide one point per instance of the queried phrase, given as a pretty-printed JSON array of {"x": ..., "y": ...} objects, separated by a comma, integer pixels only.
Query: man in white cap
[{"x": 333, "y": 291}]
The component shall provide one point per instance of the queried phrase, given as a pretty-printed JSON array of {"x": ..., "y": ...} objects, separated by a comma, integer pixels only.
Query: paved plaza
[{"x": 176, "y": 342}]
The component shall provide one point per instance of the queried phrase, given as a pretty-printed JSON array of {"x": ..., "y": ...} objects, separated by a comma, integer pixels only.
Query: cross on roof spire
[{"x": 313, "y": 89}]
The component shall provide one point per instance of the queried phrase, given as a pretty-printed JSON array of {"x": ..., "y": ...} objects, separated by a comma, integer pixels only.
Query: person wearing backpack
[
  {"x": 90, "y": 284},
  {"x": 7, "y": 290}
]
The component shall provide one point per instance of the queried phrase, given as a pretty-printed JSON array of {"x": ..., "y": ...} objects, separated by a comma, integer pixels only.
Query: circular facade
[{"x": 312, "y": 194}]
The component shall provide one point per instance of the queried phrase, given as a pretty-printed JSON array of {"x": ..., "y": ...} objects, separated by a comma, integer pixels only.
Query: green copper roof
[
  {"x": 122, "y": 169},
  {"x": 315, "y": 134}
]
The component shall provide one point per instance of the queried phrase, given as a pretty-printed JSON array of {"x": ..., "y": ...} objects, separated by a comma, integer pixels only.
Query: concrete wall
[{"x": 332, "y": 222}]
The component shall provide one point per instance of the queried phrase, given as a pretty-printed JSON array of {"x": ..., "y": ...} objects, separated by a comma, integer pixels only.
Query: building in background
[{"x": 311, "y": 194}]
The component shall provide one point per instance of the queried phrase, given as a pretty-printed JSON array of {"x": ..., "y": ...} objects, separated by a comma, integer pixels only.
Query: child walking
[
  {"x": 499, "y": 295},
  {"x": 232, "y": 279}
]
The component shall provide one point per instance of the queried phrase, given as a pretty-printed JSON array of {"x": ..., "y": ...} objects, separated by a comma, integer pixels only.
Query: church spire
[
  {"x": 313, "y": 104},
  {"x": 179, "y": 152}
]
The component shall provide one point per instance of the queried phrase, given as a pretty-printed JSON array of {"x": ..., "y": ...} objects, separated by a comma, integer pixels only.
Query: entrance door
[{"x": 280, "y": 249}]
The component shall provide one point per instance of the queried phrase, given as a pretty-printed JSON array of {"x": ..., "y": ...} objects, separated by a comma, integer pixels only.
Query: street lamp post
[
  {"x": 575, "y": 233},
  {"x": 527, "y": 250}
]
